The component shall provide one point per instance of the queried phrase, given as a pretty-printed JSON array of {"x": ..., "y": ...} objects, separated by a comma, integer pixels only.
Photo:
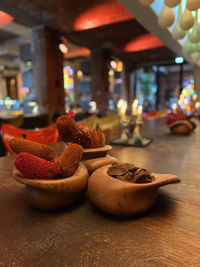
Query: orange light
[
  {"x": 80, "y": 52},
  {"x": 108, "y": 12},
  {"x": 144, "y": 42},
  {"x": 5, "y": 18}
]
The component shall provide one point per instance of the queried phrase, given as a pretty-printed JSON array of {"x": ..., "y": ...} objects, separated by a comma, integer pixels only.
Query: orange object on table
[{"x": 46, "y": 136}]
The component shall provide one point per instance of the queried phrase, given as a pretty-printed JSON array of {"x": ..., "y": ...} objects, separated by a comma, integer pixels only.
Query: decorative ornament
[
  {"x": 193, "y": 33},
  {"x": 166, "y": 17},
  {"x": 188, "y": 47},
  {"x": 195, "y": 56},
  {"x": 172, "y": 3},
  {"x": 187, "y": 20},
  {"x": 177, "y": 32},
  {"x": 193, "y": 4},
  {"x": 146, "y": 2}
]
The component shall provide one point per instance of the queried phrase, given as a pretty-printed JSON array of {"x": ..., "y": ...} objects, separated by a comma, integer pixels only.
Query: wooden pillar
[
  {"x": 99, "y": 79},
  {"x": 76, "y": 83},
  {"x": 197, "y": 80},
  {"x": 47, "y": 62}
]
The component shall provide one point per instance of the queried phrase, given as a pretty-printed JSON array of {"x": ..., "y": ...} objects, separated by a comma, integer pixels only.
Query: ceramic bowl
[
  {"x": 54, "y": 194},
  {"x": 122, "y": 198},
  {"x": 182, "y": 127},
  {"x": 95, "y": 158}
]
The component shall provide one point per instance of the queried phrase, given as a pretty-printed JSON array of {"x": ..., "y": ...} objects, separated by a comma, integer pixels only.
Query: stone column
[
  {"x": 99, "y": 79},
  {"x": 47, "y": 62}
]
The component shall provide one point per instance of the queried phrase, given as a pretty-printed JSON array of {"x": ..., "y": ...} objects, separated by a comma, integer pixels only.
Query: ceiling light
[{"x": 63, "y": 48}]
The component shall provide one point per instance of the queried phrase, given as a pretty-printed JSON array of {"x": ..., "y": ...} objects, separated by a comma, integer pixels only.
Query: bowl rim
[
  {"x": 34, "y": 182},
  {"x": 160, "y": 179},
  {"x": 186, "y": 122},
  {"x": 98, "y": 149}
]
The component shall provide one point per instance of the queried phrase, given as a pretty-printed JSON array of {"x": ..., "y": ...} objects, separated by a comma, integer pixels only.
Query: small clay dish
[
  {"x": 54, "y": 194},
  {"x": 182, "y": 127},
  {"x": 123, "y": 198},
  {"x": 94, "y": 158}
]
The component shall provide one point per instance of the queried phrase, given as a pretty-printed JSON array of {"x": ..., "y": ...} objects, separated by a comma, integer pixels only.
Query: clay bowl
[
  {"x": 95, "y": 158},
  {"x": 54, "y": 194},
  {"x": 122, "y": 198},
  {"x": 181, "y": 127}
]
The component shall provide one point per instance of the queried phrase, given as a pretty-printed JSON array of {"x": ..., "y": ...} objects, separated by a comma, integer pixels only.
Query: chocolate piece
[
  {"x": 120, "y": 169},
  {"x": 143, "y": 176},
  {"x": 130, "y": 173}
]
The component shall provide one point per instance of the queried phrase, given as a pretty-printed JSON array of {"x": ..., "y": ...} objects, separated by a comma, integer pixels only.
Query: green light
[{"x": 179, "y": 60}]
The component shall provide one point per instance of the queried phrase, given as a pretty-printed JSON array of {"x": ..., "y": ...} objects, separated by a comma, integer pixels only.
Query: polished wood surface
[{"x": 168, "y": 235}]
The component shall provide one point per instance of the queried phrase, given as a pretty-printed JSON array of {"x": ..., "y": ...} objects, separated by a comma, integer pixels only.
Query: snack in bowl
[
  {"x": 179, "y": 123},
  {"x": 92, "y": 141},
  {"x": 69, "y": 160},
  {"x": 70, "y": 131},
  {"x": 19, "y": 145},
  {"x": 130, "y": 173},
  {"x": 33, "y": 167},
  {"x": 123, "y": 189},
  {"x": 51, "y": 185}
]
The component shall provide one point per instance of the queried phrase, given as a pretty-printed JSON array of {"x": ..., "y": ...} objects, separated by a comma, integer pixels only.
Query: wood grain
[{"x": 168, "y": 235}]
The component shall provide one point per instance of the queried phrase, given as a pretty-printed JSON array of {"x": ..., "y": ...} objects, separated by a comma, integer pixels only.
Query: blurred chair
[
  {"x": 47, "y": 135},
  {"x": 151, "y": 115},
  {"x": 90, "y": 122},
  {"x": 108, "y": 122}
]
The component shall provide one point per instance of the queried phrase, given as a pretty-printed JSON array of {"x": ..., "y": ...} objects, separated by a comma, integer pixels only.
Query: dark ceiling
[
  {"x": 90, "y": 23},
  {"x": 66, "y": 15}
]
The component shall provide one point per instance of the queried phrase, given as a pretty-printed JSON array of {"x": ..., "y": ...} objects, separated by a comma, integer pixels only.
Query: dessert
[
  {"x": 33, "y": 167},
  {"x": 70, "y": 131},
  {"x": 31, "y": 163},
  {"x": 124, "y": 189},
  {"x": 19, "y": 145},
  {"x": 130, "y": 173},
  {"x": 69, "y": 160}
]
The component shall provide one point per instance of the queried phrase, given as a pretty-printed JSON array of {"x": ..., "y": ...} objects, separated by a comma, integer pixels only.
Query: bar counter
[{"x": 82, "y": 235}]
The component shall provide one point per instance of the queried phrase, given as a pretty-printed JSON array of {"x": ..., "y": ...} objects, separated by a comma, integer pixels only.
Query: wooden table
[{"x": 168, "y": 235}]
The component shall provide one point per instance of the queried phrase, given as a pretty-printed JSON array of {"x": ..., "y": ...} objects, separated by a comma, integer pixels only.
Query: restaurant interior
[{"x": 99, "y": 108}]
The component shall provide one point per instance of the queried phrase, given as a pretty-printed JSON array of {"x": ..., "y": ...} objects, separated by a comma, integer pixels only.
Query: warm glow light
[
  {"x": 2, "y": 67},
  {"x": 63, "y": 48},
  {"x": 143, "y": 42},
  {"x": 5, "y": 18},
  {"x": 111, "y": 72},
  {"x": 79, "y": 74},
  {"x": 134, "y": 107},
  {"x": 103, "y": 14},
  {"x": 113, "y": 64}
]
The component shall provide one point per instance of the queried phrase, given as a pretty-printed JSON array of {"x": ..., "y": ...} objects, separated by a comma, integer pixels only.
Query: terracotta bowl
[
  {"x": 181, "y": 127},
  {"x": 94, "y": 158},
  {"x": 122, "y": 198},
  {"x": 54, "y": 194}
]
